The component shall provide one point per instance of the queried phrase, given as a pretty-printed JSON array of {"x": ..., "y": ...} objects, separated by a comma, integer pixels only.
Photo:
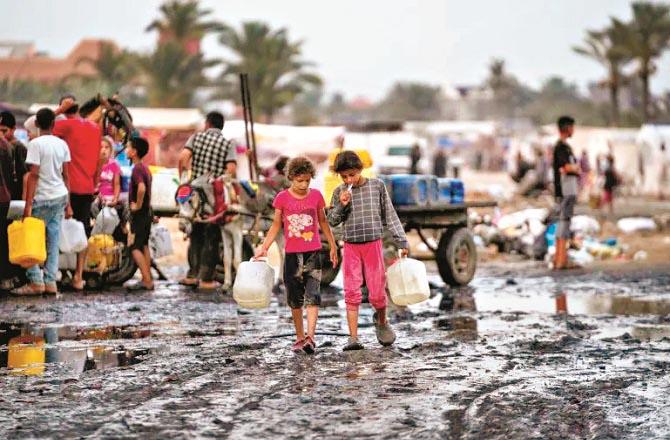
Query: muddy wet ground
[{"x": 493, "y": 360}]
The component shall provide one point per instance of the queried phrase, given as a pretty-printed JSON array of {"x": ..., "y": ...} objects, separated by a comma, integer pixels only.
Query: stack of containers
[
  {"x": 451, "y": 190},
  {"x": 388, "y": 182},
  {"x": 410, "y": 189}
]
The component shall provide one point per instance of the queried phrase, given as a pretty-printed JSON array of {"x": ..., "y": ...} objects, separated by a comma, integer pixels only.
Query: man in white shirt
[{"x": 47, "y": 198}]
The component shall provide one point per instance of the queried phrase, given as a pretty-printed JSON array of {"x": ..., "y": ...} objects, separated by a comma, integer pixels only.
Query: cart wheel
[
  {"x": 94, "y": 281},
  {"x": 457, "y": 257},
  {"x": 125, "y": 271},
  {"x": 328, "y": 272}
]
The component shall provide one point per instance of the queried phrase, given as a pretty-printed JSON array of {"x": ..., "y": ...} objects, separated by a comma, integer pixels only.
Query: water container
[
  {"x": 330, "y": 182},
  {"x": 253, "y": 284},
  {"x": 26, "y": 355},
  {"x": 451, "y": 190},
  {"x": 67, "y": 261},
  {"x": 160, "y": 242},
  {"x": 101, "y": 252},
  {"x": 410, "y": 189},
  {"x": 106, "y": 221},
  {"x": 163, "y": 188},
  {"x": 27, "y": 242},
  {"x": 433, "y": 190},
  {"x": 388, "y": 183},
  {"x": 72, "y": 236},
  {"x": 407, "y": 282}
]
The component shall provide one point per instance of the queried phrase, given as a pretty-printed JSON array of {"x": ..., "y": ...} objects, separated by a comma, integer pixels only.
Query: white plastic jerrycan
[
  {"x": 407, "y": 282},
  {"x": 253, "y": 284},
  {"x": 72, "y": 236}
]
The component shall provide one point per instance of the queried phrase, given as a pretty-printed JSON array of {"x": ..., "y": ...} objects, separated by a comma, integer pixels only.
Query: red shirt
[{"x": 83, "y": 138}]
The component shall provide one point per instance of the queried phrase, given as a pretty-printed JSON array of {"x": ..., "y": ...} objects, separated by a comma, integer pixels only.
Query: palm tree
[
  {"x": 114, "y": 67},
  {"x": 276, "y": 71},
  {"x": 646, "y": 38},
  {"x": 185, "y": 23},
  {"x": 171, "y": 75},
  {"x": 607, "y": 48}
]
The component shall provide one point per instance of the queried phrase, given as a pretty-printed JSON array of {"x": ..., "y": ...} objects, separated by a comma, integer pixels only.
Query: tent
[{"x": 653, "y": 142}]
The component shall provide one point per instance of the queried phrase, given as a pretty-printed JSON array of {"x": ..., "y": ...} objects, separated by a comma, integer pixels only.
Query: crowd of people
[{"x": 67, "y": 170}]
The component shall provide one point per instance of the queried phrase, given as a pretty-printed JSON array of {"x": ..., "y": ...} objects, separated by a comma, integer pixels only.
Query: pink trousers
[{"x": 364, "y": 259}]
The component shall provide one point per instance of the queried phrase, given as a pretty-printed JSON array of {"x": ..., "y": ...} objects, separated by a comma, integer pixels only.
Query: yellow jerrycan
[
  {"x": 27, "y": 242},
  {"x": 100, "y": 253},
  {"x": 26, "y": 355}
]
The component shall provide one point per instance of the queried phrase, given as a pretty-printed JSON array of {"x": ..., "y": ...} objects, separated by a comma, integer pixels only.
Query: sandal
[
  {"x": 29, "y": 289},
  {"x": 352, "y": 345},
  {"x": 51, "y": 288},
  {"x": 189, "y": 282},
  {"x": 308, "y": 345},
  {"x": 208, "y": 287},
  {"x": 6, "y": 285},
  {"x": 78, "y": 287},
  {"x": 139, "y": 287}
]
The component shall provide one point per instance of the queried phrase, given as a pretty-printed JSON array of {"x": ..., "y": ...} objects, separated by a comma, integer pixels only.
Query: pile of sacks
[{"x": 531, "y": 232}]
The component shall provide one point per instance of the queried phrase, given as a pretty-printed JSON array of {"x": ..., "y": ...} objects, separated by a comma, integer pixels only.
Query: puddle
[
  {"x": 544, "y": 296},
  {"x": 571, "y": 303},
  {"x": 35, "y": 349},
  {"x": 31, "y": 356}
]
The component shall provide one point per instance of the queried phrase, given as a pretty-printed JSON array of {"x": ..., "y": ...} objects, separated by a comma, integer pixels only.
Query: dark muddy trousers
[{"x": 204, "y": 251}]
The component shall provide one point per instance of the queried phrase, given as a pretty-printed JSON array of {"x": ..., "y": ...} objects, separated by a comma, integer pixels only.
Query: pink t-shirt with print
[
  {"x": 107, "y": 174},
  {"x": 301, "y": 221}
]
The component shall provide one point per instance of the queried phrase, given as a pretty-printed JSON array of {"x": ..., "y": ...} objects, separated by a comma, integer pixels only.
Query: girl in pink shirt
[
  {"x": 300, "y": 210},
  {"x": 110, "y": 175}
]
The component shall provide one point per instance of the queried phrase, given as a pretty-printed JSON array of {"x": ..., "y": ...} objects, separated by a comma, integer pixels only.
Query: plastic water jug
[
  {"x": 253, "y": 284},
  {"x": 27, "y": 242},
  {"x": 451, "y": 190},
  {"x": 100, "y": 253},
  {"x": 72, "y": 236},
  {"x": 457, "y": 191},
  {"x": 67, "y": 261},
  {"x": 106, "y": 221},
  {"x": 26, "y": 355},
  {"x": 160, "y": 242},
  {"x": 433, "y": 190},
  {"x": 410, "y": 189},
  {"x": 388, "y": 183},
  {"x": 407, "y": 282}
]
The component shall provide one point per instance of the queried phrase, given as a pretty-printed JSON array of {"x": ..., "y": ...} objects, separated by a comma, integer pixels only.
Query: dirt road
[{"x": 494, "y": 360}]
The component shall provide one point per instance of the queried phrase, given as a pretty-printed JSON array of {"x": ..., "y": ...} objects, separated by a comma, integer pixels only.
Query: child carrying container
[
  {"x": 364, "y": 207},
  {"x": 300, "y": 209}
]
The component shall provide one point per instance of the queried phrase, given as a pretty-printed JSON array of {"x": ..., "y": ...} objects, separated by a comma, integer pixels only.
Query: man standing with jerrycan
[
  {"x": 46, "y": 199},
  {"x": 566, "y": 187},
  {"x": 83, "y": 137},
  {"x": 206, "y": 152}
]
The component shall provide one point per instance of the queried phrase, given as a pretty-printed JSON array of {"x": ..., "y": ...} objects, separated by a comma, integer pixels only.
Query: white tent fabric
[{"x": 654, "y": 160}]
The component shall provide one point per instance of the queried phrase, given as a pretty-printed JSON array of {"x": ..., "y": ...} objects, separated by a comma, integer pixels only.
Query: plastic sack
[
  {"x": 72, "y": 236},
  {"x": 633, "y": 224},
  {"x": 106, "y": 221},
  {"x": 583, "y": 224},
  {"x": 160, "y": 242}
]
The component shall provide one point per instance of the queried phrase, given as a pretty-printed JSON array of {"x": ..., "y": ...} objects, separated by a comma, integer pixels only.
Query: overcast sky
[{"x": 362, "y": 46}]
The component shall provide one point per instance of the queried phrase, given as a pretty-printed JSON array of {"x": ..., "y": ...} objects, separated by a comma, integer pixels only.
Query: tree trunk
[
  {"x": 644, "y": 76},
  {"x": 614, "y": 103}
]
